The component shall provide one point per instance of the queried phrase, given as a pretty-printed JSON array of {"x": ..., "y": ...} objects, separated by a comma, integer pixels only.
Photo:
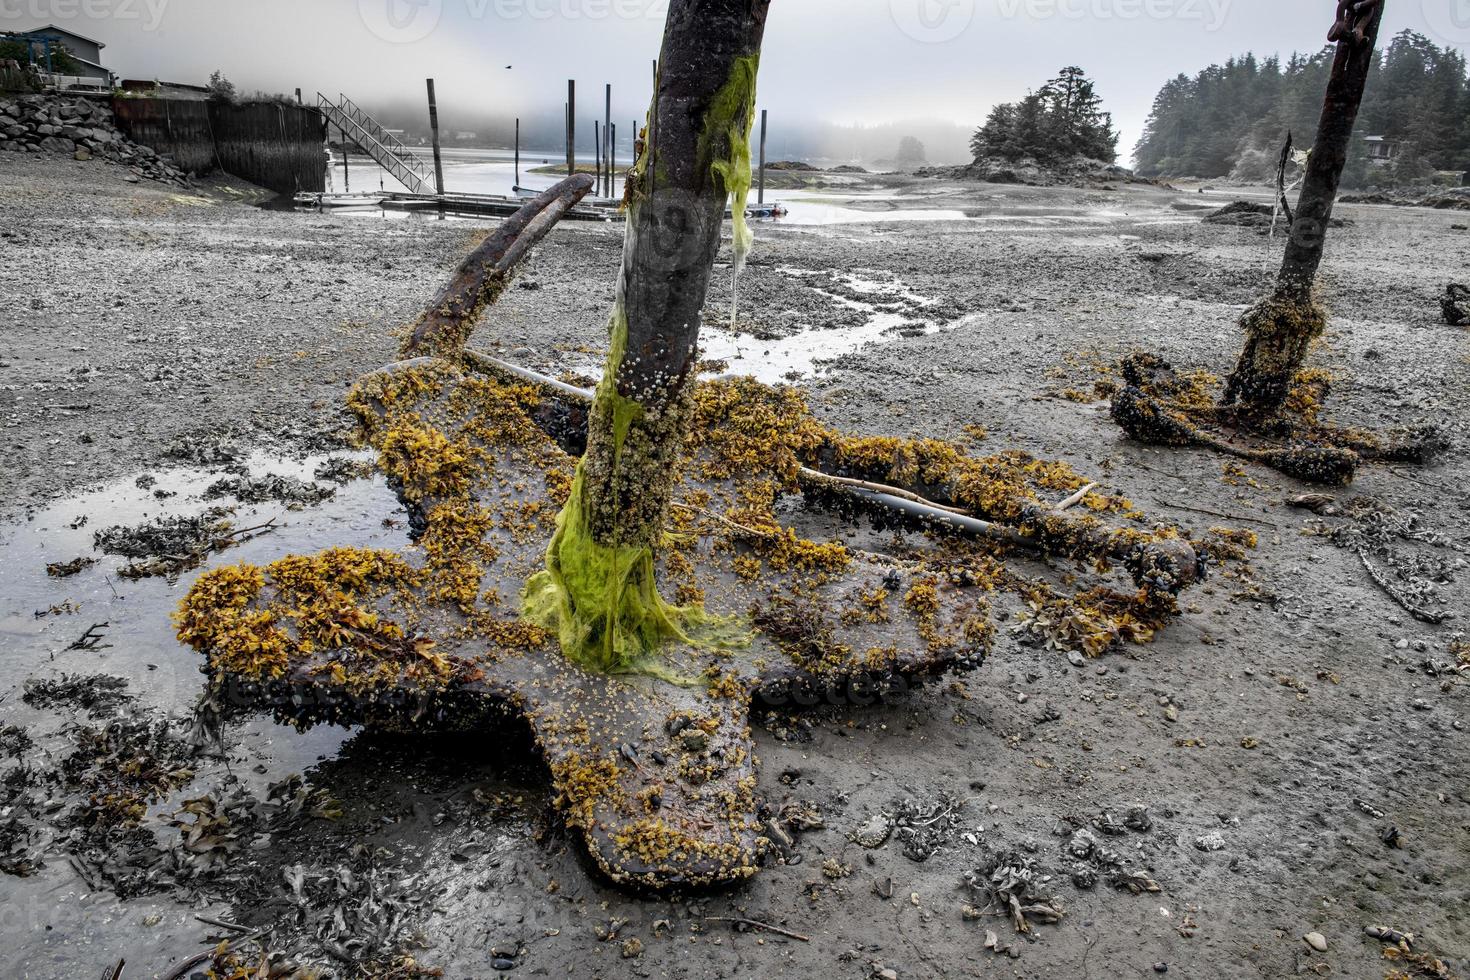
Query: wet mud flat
[{"x": 1289, "y": 757}]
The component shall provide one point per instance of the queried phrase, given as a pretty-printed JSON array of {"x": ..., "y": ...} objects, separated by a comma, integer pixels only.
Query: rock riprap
[{"x": 82, "y": 129}]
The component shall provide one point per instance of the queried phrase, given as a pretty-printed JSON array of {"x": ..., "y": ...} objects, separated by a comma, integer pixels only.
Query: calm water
[
  {"x": 465, "y": 171},
  {"x": 494, "y": 172}
]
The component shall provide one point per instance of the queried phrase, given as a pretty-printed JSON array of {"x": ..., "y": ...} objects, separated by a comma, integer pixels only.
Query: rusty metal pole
[
  {"x": 571, "y": 127},
  {"x": 710, "y": 47},
  {"x": 445, "y": 327},
  {"x": 434, "y": 127},
  {"x": 1280, "y": 329},
  {"x": 761, "y": 190}
]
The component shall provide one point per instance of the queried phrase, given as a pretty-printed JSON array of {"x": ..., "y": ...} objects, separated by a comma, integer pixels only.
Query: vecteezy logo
[
  {"x": 932, "y": 21},
  {"x": 401, "y": 21},
  {"x": 1450, "y": 19}
]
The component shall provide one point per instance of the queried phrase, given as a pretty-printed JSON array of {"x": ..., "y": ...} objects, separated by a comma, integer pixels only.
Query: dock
[{"x": 488, "y": 205}]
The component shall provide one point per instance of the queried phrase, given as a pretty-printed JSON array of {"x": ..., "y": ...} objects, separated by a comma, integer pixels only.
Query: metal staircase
[{"x": 385, "y": 148}]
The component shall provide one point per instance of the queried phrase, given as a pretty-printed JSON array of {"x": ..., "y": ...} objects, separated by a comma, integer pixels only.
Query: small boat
[
  {"x": 772, "y": 210},
  {"x": 328, "y": 200}
]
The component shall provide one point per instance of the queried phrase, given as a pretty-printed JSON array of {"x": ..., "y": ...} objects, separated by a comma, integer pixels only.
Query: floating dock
[{"x": 492, "y": 205}]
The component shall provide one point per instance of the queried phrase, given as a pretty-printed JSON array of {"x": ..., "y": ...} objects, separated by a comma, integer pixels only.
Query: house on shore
[
  {"x": 1382, "y": 150},
  {"x": 85, "y": 51}
]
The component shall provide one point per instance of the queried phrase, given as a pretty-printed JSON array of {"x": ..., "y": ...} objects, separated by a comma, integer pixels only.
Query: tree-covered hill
[
  {"x": 1062, "y": 120},
  {"x": 1232, "y": 118}
]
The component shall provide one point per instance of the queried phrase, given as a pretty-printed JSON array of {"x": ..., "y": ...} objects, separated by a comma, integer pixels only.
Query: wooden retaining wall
[
  {"x": 271, "y": 144},
  {"x": 172, "y": 127}
]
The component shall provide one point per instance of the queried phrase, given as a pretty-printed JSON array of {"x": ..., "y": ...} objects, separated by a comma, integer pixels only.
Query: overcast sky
[{"x": 841, "y": 60}]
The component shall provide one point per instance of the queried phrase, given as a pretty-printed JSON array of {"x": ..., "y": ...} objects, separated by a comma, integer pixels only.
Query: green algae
[
  {"x": 730, "y": 119},
  {"x": 601, "y": 597},
  {"x": 598, "y": 592}
]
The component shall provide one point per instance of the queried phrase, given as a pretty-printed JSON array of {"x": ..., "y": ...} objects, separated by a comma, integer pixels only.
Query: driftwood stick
[
  {"x": 748, "y": 532},
  {"x": 1282, "y": 205},
  {"x": 907, "y": 502},
  {"x": 755, "y": 924},
  {"x": 269, "y": 525},
  {"x": 447, "y": 324},
  {"x": 221, "y": 923},
  {"x": 1380, "y": 580},
  {"x": 1076, "y": 498},
  {"x": 811, "y": 474},
  {"x": 485, "y": 364}
]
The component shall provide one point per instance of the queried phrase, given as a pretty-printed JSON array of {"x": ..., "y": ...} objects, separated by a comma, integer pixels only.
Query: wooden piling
[
  {"x": 598, "y": 181},
  {"x": 434, "y": 127},
  {"x": 607, "y": 136},
  {"x": 652, "y": 168},
  {"x": 518, "y": 153},
  {"x": 346, "y": 173},
  {"x": 571, "y": 127},
  {"x": 612, "y": 161},
  {"x": 761, "y": 192}
]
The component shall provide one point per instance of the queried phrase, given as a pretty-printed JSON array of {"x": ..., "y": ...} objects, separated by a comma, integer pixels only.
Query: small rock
[
  {"x": 1316, "y": 940},
  {"x": 695, "y": 741},
  {"x": 1161, "y": 968},
  {"x": 874, "y": 833},
  {"x": 1075, "y": 659},
  {"x": 501, "y": 963},
  {"x": 1210, "y": 842},
  {"x": 1387, "y": 935}
]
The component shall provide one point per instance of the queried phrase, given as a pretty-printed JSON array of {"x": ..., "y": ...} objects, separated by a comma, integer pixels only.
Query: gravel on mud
[{"x": 1287, "y": 759}]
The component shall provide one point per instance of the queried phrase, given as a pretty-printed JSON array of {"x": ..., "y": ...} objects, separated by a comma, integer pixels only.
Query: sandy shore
[{"x": 1274, "y": 733}]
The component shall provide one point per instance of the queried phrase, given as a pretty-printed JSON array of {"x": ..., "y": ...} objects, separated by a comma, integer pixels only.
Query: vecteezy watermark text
[
  {"x": 932, "y": 21},
  {"x": 34, "y": 13},
  {"x": 1448, "y": 19},
  {"x": 1211, "y": 13},
  {"x": 937, "y": 21}
]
